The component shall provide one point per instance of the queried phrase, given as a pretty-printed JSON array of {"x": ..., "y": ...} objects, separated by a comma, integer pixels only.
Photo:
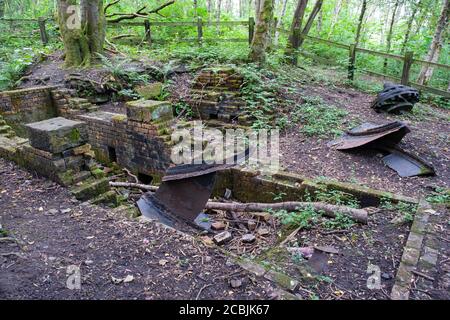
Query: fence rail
[{"x": 408, "y": 59}]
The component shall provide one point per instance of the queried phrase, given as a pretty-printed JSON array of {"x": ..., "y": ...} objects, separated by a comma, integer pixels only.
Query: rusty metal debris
[
  {"x": 406, "y": 164},
  {"x": 385, "y": 138},
  {"x": 183, "y": 194},
  {"x": 371, "y": 135},
  {"x": 396, "y": 98}
]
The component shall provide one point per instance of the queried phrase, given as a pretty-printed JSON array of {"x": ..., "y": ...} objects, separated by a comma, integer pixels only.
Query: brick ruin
[
  {"x": 66, "y": 138},
  {"x": 216, "y": 95}
]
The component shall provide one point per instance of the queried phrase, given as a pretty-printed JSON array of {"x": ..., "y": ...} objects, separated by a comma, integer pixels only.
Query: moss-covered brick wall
[
  {"x": 20, "y": 107},
  {"x": 141, "y": 146}
]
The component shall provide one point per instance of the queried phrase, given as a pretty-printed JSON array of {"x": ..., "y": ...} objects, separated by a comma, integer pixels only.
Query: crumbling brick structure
[{"x": 216, "y": 95}]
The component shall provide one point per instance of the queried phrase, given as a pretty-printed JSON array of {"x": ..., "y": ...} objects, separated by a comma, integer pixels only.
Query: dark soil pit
[{"x": 56, "y": 231}]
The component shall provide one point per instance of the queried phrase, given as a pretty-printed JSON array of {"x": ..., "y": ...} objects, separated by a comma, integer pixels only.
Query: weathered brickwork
[
  {"x": 140, "y": 143},
  {"x": 20, "y": 107},
  {"x": 70, "y": 106},
  {"x": 215, "y": 95}
]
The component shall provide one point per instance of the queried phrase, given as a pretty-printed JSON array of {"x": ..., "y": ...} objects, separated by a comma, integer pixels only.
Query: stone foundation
[
  {"x": 138, "y": 141},
  {"x": 20, "y": 107},
  {"x": 215, "y": 95}
]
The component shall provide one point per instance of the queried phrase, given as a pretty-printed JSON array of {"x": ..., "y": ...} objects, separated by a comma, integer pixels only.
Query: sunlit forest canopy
[{"x": 391, "y": 26}]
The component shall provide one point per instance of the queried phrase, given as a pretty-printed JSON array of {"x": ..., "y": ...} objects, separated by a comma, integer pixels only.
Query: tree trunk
[
  {"x": 83, "y": 33},
  {"x": 389, "y": 35},
  {"x": 261, "y": 37},
  {"x": 195, "y": 8},
  {"x": 436, "y": 45},
  {"x": 335, "y": 18},
  {"x": 310, "y": 21},
  {"x": 296, "y": 24},
  {"x": 219, "y": 14},
  {"x": 320, "y": 22},
  {"x": 360, "y": 22},
  {"x": 258, "y": 7},
  {"x": 209, "y": 9},
  {"x": 412, "y": 17},
  {"x": 2, "y": 8},
  {"x": 280, "y": 22}
]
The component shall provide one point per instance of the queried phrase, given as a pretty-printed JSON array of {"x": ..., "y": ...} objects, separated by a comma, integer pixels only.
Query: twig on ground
[
  {"x": 131, "y": 175},
  {"x": 423, "y": 275},
  {"x": 203, "y": 288},
  {"x": 11, "y": 254},
  {"x": 290, "y": 237}
]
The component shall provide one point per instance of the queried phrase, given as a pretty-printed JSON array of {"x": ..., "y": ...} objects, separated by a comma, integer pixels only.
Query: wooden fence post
[
  {"x": 351, "y": 62},
  {"x": 148, "y": 32},
  {"x": 43, "y": 30},
  {"x": 200, "y": 30},
  {"x": 251, "y": 29},
  {"x": 407, "y": 63}
]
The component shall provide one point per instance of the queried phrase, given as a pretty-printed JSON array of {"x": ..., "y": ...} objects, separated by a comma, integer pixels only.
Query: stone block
[
  {"x": 57, "y": 134},
  {"x": 90, "y": 189},
  {"x": 150, "y": 91},
  {"x": 149, "y": 110}
]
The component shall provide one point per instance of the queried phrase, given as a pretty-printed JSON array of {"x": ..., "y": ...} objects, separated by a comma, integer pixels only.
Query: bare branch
[
  {"x": 110, "y": 5},
  {"x": 138, "y": 14}
]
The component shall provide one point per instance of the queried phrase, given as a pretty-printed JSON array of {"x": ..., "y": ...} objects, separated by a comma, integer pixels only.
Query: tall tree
[
  {"x": 2, "y": 8},
  {"x": 83, "y": 32},
  {"x": 296, "y": 24},
  {"x": 309, "y": 23},
  {"x": 261, "y": 38},
  {"x": 360, "y": 21},
  {"x": 335, "y": 17},
  {"x": 280, "y": 21},
  {"x": 218, "y": 14},
  {"x": 209, "y": 9},
  {"x": 412, "y": 17},
  {"x": 389, "y": 35},
  {"x": 436, "y": 44}
]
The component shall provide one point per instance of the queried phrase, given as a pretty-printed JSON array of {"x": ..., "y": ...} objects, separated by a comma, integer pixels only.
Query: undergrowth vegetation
[{"x": 309, "y": 217}]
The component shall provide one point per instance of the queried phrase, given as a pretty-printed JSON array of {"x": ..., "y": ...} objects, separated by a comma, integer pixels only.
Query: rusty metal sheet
[
  {"x": 175, "y": 200},
  {"x": 370, "y": 135},
  {"x": 184, "y": 192},
  {"x": 406, "y": 164}
]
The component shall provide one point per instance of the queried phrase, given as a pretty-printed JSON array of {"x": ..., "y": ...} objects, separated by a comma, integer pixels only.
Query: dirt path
[{"x": 163, "y": 263}]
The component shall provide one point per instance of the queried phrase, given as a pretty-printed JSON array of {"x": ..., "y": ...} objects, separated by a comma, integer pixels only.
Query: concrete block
[{"x": 57, "y": 134}]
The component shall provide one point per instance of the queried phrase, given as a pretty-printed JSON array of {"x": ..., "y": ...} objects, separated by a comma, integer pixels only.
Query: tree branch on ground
[{"x": 329, "y": 210}]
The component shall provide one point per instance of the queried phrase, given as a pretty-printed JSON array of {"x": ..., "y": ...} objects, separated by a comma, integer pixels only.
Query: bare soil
[
  {"x": 164, "y": 264},
  {"x": 341, "y": 275},
  {"x": 310, "y": 156}
]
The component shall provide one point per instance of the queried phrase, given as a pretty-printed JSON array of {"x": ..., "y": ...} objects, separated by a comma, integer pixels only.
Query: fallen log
[
  {"x": 134, "y": 185},
  {"x": 329, "y": 210}
]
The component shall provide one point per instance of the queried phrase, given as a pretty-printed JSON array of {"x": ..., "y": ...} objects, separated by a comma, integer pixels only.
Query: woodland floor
[
  {"x": 164, "y": 264},
  {"x": 310, "y": 156}
]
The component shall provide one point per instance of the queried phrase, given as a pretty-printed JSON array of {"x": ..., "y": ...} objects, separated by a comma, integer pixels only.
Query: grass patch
[{"x": 319, "y": 119}]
